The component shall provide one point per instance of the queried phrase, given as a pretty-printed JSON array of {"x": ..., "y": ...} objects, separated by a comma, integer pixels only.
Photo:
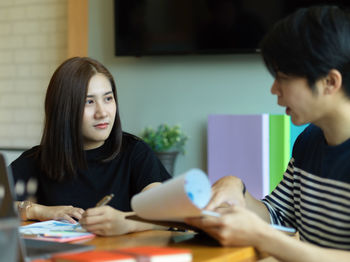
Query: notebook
[
  {"x": 55, "y": 231},
  {"x": 12, "y": 247}
]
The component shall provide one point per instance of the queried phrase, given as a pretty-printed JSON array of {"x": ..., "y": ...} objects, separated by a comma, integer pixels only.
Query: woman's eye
[
  {"x": 109, "y": 98},
  {"x": 89, "y": 101}
]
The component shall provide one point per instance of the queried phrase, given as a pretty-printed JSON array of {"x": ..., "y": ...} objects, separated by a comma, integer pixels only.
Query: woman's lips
[{"x": 101, "y": 126}]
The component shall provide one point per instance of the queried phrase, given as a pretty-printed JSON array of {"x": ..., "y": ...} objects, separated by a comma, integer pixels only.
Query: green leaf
[{"x": 165, "y": 138}]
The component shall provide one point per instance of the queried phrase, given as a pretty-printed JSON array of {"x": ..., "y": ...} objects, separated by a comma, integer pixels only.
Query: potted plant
[{"x": 167, "y": 142}]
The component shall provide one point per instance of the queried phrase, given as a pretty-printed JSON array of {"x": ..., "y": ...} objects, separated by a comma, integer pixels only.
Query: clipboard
[{"x": 181, "y": 226}]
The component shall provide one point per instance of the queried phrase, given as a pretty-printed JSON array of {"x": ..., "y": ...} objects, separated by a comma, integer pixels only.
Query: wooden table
[{"x": 203, "y": 248}]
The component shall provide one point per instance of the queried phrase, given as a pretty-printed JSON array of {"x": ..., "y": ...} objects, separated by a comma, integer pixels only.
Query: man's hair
[
  {"x": 61, "y": 150},
  {"x": 309, "y": 43}
]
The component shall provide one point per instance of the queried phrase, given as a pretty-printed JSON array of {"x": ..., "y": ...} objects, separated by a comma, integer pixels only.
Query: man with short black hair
[{"x": 308, "y": 53}]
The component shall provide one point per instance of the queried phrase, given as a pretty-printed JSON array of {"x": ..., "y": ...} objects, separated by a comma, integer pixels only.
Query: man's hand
[
  {"x": 227, "y": 191},
  {"x": 236, "y": 226}
]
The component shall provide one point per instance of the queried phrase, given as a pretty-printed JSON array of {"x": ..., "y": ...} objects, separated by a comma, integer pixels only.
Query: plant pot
[{"x": 168, "y": 160}]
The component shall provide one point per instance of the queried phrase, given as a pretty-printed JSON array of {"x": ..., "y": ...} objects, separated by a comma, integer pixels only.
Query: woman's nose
[{"x": 100, "y": 111}]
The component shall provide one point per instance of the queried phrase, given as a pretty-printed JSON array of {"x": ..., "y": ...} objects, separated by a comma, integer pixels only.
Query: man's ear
[{"x": 332, "y": 82}]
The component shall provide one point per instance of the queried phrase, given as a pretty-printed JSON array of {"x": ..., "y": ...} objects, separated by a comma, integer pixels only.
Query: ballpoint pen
[
  {"x": 104, "y": 201},
  {"x": 40, "y": 235},
  {"x": 288, "y": 230}
]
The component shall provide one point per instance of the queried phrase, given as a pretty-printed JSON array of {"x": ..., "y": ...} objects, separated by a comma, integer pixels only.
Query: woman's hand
[
  {"x": 69, "y": 213},
  {"x": 107, "y": 221},
  {"x": 227, "y": 191}
]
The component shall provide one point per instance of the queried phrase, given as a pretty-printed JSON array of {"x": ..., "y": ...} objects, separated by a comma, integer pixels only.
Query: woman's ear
[{"x": 332, "y": 82}]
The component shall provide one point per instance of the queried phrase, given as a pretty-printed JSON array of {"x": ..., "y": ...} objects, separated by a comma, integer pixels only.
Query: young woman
[{"x": 84, "y": 154}]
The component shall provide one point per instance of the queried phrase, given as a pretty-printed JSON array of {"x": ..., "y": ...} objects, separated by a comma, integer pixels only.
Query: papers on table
[{"x": 53, "y": 230}]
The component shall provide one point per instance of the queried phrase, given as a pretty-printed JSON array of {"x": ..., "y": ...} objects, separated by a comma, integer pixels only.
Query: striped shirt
[{"x": 314, "y": 194}]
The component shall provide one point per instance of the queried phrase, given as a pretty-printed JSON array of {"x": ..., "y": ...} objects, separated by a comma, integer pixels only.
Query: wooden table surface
[{"x": 203, "y": 248}]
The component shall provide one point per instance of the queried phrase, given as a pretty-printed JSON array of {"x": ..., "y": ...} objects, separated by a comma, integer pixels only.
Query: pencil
[{"x": 105, "y": 200}]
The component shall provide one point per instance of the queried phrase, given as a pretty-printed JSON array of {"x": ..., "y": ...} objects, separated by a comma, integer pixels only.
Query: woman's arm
[
  {"x": 107, "y": 221},
  {"x": 32, "y": 211},
  {"x": 150, "y": 186}
]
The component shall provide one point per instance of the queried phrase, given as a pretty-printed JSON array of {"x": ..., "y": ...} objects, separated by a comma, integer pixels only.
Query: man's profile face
[{"x": 294, "y": 93}]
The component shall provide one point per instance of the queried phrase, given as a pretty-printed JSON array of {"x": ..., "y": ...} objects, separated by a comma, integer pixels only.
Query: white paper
[
  {"x": 183, "y": 196},
  {"x": 54, "y": 228}
]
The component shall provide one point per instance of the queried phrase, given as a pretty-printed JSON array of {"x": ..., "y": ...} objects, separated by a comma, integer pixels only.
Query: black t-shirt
[{"x": 135, "y": 167}]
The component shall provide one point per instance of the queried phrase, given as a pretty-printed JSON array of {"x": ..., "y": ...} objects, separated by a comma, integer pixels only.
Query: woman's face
[{"x": 99, "y": 112}]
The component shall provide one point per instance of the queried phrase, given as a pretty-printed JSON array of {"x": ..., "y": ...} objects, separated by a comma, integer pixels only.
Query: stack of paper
[{"x": 53, "y": 230}]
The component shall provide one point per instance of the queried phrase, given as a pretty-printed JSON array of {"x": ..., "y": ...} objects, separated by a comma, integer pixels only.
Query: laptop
[{"x": 12, "y": 247}]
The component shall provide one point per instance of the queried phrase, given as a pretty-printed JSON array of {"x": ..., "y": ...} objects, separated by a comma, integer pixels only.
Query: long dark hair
[{"x": 61, "y": 150}]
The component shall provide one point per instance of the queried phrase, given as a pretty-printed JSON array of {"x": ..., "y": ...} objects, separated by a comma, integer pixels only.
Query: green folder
[{"x": 279, "y": 147}]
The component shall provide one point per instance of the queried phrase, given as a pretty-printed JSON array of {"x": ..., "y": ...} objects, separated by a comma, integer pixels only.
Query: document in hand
[
  {"x": 53, "y": 230},
  {"x": 183, "y": 196},
  {"x": 132, "y": 254}
]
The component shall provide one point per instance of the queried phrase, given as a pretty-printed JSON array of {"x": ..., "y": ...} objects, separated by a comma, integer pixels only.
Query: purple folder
[{"x": 239, "y": 145}]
